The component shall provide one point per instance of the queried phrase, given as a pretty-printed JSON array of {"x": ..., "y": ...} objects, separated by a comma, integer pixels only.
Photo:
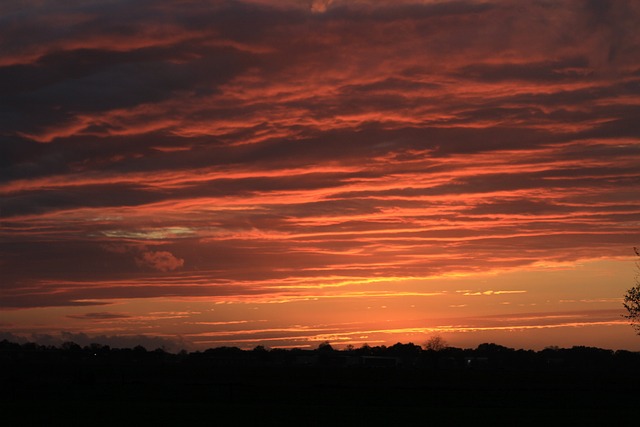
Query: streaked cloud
[
  {"x": 296, "y": 151},
  {"x": 102, "y": 315}
]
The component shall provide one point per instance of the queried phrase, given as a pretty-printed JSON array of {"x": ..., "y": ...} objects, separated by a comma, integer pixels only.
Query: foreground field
[{"x": 155, "y": 388}]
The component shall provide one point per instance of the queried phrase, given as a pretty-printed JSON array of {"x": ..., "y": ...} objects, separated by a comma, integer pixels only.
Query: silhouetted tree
[
  {"x": 632, "y": 299},
  {"x": 400, "y": 349},
  {"x": 325, "y": 347},
  {"x": 435, "y": 343},
  {"x": 71, "y": 347},
  {"x": 492, "y": 348},
  {"x": 139, "y": 349}
]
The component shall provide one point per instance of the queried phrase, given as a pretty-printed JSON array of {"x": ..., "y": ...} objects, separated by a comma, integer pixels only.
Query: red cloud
[{"x": 159, "y": 260}]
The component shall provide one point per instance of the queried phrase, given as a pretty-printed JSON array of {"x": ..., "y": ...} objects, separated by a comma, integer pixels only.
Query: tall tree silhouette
[{"x": 632, "y": 299}]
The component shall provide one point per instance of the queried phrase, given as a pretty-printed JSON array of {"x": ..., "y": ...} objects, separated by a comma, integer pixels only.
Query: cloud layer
[{"x": 263, "y": 151}]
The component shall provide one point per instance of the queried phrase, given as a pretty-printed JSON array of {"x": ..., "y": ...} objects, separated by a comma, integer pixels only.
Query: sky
[{"x": 193, "y": 174}]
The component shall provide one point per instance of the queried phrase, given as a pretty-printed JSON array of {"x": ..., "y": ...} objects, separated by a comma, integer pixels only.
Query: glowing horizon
[{"x": 286, "y": 173}]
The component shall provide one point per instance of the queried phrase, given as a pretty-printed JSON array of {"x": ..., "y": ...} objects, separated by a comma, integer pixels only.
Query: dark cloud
[
  {"x": 102, "y": 315},
  {"x": 62, "y": 85},
  {"x": 219, "y": 149},
  {"x": 522, "y": 207},
  {"x": 548, "y": 71},
  {"x": 44, "y": 299}
]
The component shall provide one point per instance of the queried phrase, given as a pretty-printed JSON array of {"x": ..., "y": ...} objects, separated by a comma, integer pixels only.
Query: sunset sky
[{"x": 203, "y": 173}]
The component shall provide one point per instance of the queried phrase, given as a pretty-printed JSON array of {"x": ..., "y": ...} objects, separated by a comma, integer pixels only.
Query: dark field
[{"x": 489, "y": 385}]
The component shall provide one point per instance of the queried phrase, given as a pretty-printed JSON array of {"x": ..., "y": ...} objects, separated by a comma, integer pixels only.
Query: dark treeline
[
  {"x": 486, "y": 356},
  {"x": 402, "y": 384}
]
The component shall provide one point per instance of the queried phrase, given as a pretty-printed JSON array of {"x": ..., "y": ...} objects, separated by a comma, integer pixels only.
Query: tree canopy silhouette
[
  {"x": 632, "y": 299},
  {"x": 435, "y": 343}
]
